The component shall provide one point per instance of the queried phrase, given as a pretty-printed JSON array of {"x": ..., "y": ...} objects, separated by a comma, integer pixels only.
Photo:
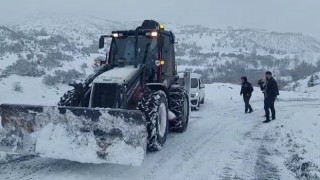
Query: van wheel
[
  {"x": 202, "y": 101},
  {"x": 198, "y": 107}
]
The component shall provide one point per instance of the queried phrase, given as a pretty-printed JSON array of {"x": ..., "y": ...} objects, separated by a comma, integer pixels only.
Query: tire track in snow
[
  {"x": 29, "y": 166},
  {"x": 205, "y": 156},
  {"x": 200, "y": 153},
  {"x": 187, "y": 152},
  {"x": 252, "y": 162}
]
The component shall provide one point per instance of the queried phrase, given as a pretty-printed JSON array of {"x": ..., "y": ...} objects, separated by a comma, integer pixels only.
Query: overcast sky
[{"x": 276, "y": 15}]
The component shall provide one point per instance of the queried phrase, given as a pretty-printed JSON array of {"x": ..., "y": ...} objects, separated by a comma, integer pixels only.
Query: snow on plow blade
[{"x": 85, "y": 135}]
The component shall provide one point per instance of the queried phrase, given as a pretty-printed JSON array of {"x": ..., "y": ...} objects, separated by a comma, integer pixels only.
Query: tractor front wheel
[{"x": 155, "y": 107}]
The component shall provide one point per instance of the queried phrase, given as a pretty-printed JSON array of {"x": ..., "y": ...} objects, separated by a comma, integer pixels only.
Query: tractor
[{"x": 131, "y": 102}]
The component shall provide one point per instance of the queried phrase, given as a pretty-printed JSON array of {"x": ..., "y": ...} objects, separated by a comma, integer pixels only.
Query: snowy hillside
[
  {"x": 82, "y": 30},
  {"x": 308, "y": 84},
  {"x": 249, "y": 39},
  {"x": 221, "y": 142}
]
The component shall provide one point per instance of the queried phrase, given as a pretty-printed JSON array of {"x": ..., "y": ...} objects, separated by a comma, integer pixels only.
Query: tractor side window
[
  {"x": 172, "y": 59},
  {"x": 166, "y": 57},
  {"x": 148, "y": 50},
  {"x": 113, "y": 51},
  {"x": 153, "y": 49}
]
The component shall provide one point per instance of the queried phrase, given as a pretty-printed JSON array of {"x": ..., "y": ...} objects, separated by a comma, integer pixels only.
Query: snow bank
[
  {"x": 76, "y": 134},
  {"x": 122, "y": 153},
  {"x": 296, "y": 140},
  {"x": 3, "y": 156},
  {"x": 224, "y": 92},
  {"x": 55, "y": 141}
]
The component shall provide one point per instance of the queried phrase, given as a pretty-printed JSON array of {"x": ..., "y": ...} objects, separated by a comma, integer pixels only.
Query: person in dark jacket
[
  {"x": 246, "y": 92},
  {"x": 271, "y": 91}
]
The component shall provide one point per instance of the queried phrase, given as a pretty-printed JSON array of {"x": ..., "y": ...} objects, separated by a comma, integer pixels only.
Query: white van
[{"x": 197, "y": 91}]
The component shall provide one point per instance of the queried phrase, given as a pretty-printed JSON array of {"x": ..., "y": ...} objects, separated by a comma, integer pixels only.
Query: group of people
[{"x": 270, "y": 90}]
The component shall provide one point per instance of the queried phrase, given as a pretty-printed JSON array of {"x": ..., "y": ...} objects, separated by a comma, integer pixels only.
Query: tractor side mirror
[
  {"x": 101, "y": 42},
  {"x": 175, "y": 69},
  {"x": 99, "y": 61},
  {"x": 202, "y": 86}
]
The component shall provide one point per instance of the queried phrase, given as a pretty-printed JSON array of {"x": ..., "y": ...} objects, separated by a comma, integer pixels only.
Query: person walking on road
[
  {"x": 246, "y": 92},
  {"x": 271, "y": 91}
]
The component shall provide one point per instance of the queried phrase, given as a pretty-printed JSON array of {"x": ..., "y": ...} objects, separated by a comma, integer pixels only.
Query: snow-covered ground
[
  {"x": 221, "y": 142},
  {"x": 33, "y": 91}
]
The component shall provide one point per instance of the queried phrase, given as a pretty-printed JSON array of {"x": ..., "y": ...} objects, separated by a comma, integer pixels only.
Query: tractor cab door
[{"x": 169, "y": 69}]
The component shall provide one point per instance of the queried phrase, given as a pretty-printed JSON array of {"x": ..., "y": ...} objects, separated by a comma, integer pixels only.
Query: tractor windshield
[{"x": 123, "y": 50}]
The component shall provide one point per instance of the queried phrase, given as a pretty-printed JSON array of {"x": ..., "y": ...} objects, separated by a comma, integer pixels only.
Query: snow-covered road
[{"x": 221, "y": 143}]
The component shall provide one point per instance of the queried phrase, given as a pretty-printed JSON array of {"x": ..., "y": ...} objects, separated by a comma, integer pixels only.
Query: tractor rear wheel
[
  {"x": 155, "y": 106},
  {"x": 179, "y": 105}
]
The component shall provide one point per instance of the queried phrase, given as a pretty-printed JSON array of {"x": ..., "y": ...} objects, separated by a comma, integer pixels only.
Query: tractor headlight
[
  {"x": 116, "y": 35},
  {"x": 157, "y": 62},
  {"x": 152, "y": 34},
  {"x": 194, "y": 94}
]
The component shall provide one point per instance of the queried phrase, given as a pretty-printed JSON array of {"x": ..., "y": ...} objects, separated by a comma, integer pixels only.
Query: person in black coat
[
  {"x": 246, "y": 92},
  {"x": 271, "y": 91}
]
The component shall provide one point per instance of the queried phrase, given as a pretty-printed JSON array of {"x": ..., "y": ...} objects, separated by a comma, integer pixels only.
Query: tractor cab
[{"x": 149, "y": 45}]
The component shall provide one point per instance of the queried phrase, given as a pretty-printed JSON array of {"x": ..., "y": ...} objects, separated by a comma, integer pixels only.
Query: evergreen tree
[{"x": 311, "y": 82}]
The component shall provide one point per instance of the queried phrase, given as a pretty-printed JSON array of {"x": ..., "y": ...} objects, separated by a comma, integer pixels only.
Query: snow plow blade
[{"x": 86, "y": 135}]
